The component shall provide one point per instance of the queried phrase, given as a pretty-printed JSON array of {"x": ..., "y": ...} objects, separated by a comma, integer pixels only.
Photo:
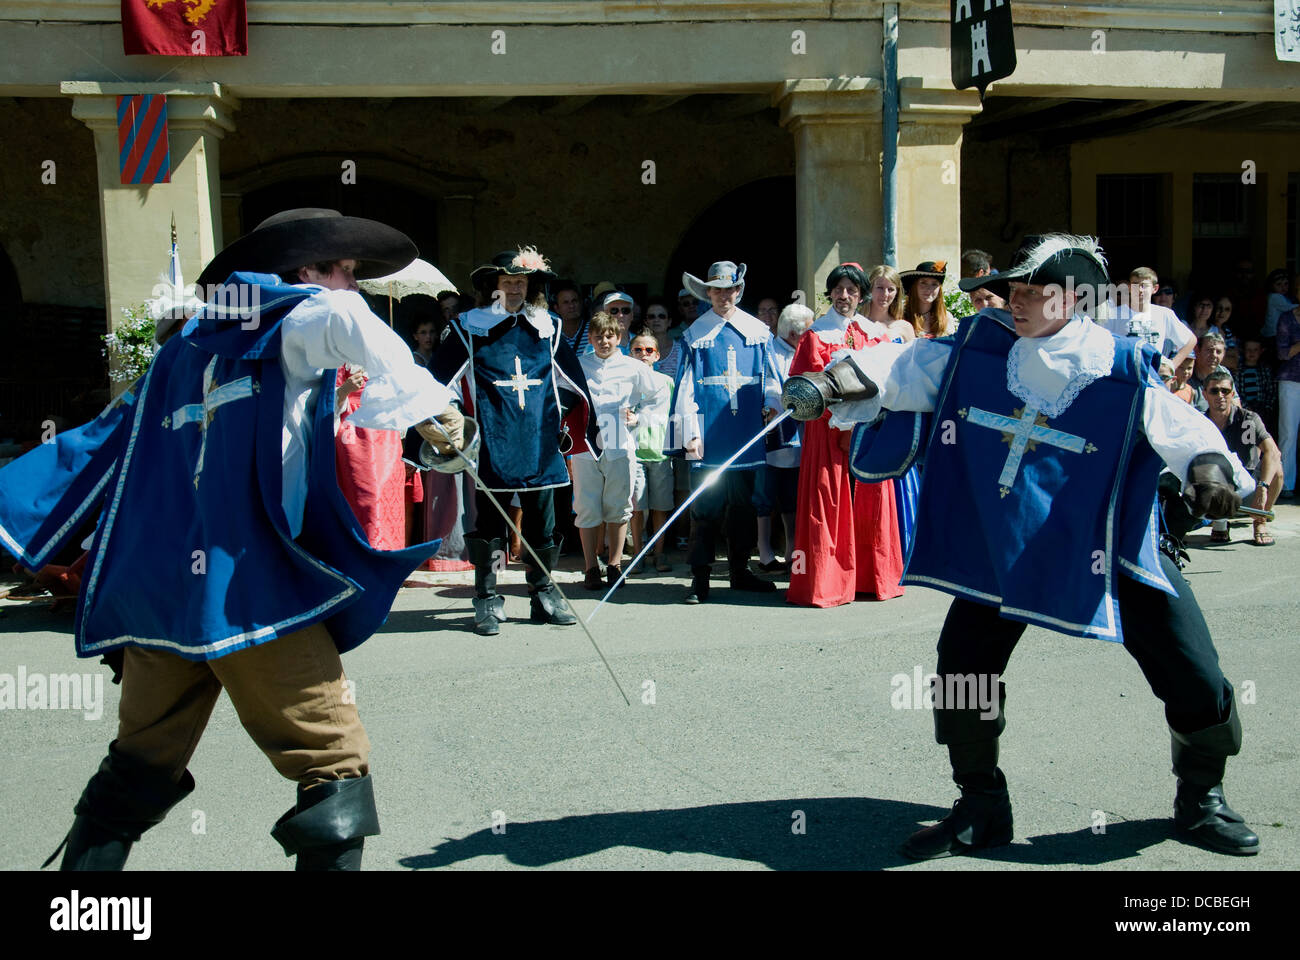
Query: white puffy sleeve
[
  {"x": 908, "y": 374},
  {"x": 334, "y": 328},
  {"x": 1178, "y": 432}
]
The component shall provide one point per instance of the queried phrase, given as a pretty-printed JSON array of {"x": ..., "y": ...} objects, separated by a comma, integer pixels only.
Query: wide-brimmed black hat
[
  {"x": 524, "y": 262},
  {"x": 307, "y": 235},
  {"x": 937, "y": 269},
  {"x": 1048, "y": 258}
]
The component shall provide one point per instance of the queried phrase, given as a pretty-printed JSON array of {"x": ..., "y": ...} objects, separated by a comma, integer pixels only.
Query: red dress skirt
[{"x": 846, "y": 533}]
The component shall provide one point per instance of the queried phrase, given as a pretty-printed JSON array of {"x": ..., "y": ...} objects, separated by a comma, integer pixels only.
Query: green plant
[
  {"x": 956, "y": 300},
  {"x": 130, "y": 348}
]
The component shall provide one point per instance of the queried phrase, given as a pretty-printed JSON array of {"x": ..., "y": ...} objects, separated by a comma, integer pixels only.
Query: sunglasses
[
  {"x": 617, "y": 311},
  {"x": 1220, "y": 391}
]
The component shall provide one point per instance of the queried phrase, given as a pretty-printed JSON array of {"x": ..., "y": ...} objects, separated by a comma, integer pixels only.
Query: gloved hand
[
  {"x": 1214, "y": 494},
  {"x": 453, "y": 422},
  {"x": 808, "y": 394}
]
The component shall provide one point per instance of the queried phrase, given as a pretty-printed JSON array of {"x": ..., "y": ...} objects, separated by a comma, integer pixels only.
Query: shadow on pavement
[{"x": 842, "y": 833}]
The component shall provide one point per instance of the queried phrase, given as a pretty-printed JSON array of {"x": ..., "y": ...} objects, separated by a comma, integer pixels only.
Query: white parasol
[{"x": 420, "y": 276}]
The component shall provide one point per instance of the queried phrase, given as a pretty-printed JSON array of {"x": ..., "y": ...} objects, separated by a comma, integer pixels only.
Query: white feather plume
[{"x": 1053, "y": 244}]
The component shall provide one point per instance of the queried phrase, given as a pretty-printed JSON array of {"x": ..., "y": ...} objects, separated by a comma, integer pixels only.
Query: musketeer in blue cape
[
  {"x": 520, "y": 377},
  {"x": 725, "y": 391},
  {"x": 225, "y": 554},
  {"x": 1038, "y": 505}
]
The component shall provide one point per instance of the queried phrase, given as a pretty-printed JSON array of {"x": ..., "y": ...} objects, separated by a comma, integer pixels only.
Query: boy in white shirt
[
  {"x": 1149, "y": 321},
  {"x": 602, "y": 485}
]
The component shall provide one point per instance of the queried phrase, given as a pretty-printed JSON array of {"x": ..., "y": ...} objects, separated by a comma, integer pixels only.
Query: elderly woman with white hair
[{"x": 777, "y": 484}]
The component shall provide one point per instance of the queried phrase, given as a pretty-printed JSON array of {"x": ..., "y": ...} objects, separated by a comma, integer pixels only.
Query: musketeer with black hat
[
  {"x": 226, "y": 556},
  {"x": 1038, "y": 506},
  {"x": 516, "y": 372}
]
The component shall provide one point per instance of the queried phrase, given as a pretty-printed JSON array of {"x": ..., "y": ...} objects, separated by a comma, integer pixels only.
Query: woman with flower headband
[
  {"x": 847, "y": 534},
  {"x": 519, "y": 376}
]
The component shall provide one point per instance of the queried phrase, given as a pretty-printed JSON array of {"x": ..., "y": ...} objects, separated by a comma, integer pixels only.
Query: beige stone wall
[
  {"x": 570, "y": 183},
  {"x": 50, "y": 231}
]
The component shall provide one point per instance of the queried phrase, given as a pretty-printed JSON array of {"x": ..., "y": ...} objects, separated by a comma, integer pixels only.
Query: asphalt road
[{"x": 759, "y": 736}]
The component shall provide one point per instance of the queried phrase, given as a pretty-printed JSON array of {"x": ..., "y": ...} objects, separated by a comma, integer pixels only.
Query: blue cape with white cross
[
  {"x": 193, "y": 553},
  {"x": 1036, "y": 517}
]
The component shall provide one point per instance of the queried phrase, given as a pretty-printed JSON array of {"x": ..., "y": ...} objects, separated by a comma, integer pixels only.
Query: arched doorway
[{"x": 753, "y": 224}]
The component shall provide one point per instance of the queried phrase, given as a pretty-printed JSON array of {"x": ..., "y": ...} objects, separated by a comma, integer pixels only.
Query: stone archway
[{"x": 753, "y": 224}]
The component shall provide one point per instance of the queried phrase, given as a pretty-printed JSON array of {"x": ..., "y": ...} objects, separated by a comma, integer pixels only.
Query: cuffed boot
[
  {"x": 1201, "y": 811},
  {"x": 328, "y": 825},
  {"x": 121, "y": 801},
  {"x": 545, "y": 603},
  {"x": 742, "y": 578},
  {"x": 699, "y": 592},
  {"x": 489, "y": 606},
  {"x": 981, "y": 817}
]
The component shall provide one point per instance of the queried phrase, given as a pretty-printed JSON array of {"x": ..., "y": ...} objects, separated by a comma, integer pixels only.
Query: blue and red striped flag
[{"x": 144, "y": 155}]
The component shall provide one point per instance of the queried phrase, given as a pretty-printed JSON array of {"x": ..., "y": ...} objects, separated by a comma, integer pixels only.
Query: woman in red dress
[{"x": 846, "y": 534}]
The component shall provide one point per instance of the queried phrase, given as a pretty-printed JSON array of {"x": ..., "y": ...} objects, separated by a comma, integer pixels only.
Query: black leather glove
[
  {"x": 1214, "y": 494},
  {"x": 807, "y": 395}
]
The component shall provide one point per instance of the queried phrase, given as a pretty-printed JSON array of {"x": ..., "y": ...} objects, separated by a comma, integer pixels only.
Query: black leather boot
[
  {"x": 546, "y": 604},
  {"x": 699, "y": 592},
  {"x": 1201, "y": 812},
  {"x": 489, "y": 606},
  {"x": 328, "y": 825},
  {"x": 981, "y": 817},
  {"x": 121, "y": 801},
  {"x": 742, "y": 578}
]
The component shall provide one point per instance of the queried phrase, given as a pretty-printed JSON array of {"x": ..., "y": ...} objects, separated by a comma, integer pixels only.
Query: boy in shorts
[
  {"x": 620, "y": 388},
  {"x": 652, "y": 487}
]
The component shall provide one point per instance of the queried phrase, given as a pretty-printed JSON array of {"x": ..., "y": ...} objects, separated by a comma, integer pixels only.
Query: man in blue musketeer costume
[
  {"x": 520, "y": 377},
  {"x": 1038, "y": 505},
  {"x": 724, "y": 393},
  {"x": 225, "y": 554}
]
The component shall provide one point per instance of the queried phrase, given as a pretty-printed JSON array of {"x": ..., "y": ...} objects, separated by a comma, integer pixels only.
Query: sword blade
[
  {"x": 473, "y": 472},
  {"x": 667, "y": 525}
]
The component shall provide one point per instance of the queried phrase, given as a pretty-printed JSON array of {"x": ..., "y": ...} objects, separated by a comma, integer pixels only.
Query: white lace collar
[
  {"x": 482, "y": 319},
  {"x": 1048, "y": 372},
  {"x": 833, "y": 327},
  {"x": 704, "y": 330}
]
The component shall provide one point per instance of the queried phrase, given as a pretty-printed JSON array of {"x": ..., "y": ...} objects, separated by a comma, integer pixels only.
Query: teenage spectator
[
  {"x": 652, "y": 483},
  {"x": 1144, "y": 320},
  {"x": 777, "y": 485},
  {"x": 1288, "y": 395},
  {"x": 1222, "y": 316},
  {"x": 1202, "y": 315},
  {"x": 976, "y": 263},
  {"x": 1248, "y": 438},
  {"x": 620, "y": 388},
  {"x": 885, "y": 303},
  {"x": 925, "y": 308}
]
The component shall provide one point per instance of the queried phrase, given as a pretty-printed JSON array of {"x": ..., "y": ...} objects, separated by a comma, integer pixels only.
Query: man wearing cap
[
  {"x": 620, "y": 306},
  {"x": 519, "y": 376},
  {"x": 226, "y": 556},
  {"x": 1038, "y": 506},
  {"x": 723, "y": 395}
]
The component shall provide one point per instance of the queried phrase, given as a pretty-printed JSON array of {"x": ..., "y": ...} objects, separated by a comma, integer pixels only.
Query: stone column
[
  {"x": 135, "y": 219},
  {"x": 836, "y": 130},
  {"x": 930, "y": 121}
]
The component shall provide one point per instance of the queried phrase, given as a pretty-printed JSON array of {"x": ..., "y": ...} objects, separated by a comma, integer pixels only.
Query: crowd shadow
[{"x": 838, "y": 833}]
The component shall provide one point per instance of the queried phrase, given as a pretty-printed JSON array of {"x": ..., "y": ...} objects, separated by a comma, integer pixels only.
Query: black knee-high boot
[
  {"x": 121, "y": 801},
  {"x": 328, "y": 825},
  {"x": 1200, "y": 809}
]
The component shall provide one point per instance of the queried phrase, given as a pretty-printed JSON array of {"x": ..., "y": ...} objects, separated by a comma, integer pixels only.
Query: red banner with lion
[{"x": 185, "y": 28}]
